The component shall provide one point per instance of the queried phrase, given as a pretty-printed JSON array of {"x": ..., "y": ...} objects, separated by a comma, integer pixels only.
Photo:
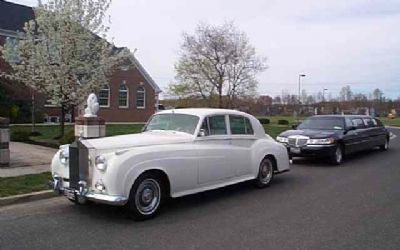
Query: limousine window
[
  {"x": 368, "y": 122},
  {"x": 328, "y": 123},
  {"x": 358, "y": 122},
  {"x": 175, "y": 122}
]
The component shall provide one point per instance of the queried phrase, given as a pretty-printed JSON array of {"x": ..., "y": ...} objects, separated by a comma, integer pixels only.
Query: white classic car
[{"x": 179, "y": 152}]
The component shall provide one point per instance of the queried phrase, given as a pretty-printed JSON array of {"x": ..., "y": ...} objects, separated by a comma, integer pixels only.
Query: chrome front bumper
[{"x": 82, "y": 194}]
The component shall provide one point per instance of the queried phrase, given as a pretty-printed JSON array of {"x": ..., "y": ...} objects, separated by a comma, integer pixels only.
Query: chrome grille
[{"x": 297, "y": 140}]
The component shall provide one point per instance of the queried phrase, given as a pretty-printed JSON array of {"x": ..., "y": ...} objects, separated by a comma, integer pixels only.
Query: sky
[{"x": 333, "y": 42}]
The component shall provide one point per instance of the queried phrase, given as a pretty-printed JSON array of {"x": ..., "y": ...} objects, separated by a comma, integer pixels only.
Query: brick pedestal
[
  {"x": 4, "y": 142},
  {"x": 89, "y": 127}
]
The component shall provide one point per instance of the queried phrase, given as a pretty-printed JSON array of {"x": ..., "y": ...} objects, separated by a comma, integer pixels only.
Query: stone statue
[{"x": 92, "y": 106}]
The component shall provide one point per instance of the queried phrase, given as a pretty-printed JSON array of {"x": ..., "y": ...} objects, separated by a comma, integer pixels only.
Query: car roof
[
  {"x": 203, "y": 111},
  {"x": 344, "y": 116}
]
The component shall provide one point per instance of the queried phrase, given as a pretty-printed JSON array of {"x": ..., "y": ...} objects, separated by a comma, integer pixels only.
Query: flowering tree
[{"x": 63, "y": 53}]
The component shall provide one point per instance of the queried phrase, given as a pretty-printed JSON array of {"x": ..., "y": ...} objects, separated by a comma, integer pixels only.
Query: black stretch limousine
[{"x": 334, "y": 136}]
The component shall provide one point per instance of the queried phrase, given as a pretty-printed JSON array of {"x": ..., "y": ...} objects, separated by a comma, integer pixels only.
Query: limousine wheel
[
  {"x": 265, "y": 173},
  {"x": 145, "y": 197},
  {"x": 385, "y": 146},
  {"x": 337, "y": 155}
]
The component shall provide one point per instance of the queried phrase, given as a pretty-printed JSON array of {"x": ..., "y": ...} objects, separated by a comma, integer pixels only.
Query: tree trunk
[
  {"x": 220, "y": 98},
  {"x": 62, "y": 120},
  {"x": 73, "y": 113},
  {"x": 33, "y": 112}
]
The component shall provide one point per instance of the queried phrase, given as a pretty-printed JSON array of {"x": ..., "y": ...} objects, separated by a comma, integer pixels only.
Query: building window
[
  {"x": 104, "y": 96},
  {"x": 11, "y": 47},
  {"x": 123, "y": 98},
  {"x": 140, "y": 97}
]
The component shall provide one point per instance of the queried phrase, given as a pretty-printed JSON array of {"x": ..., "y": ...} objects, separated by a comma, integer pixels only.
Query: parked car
[
  {"x": 180, "y": 152},
  {"x": 334, "y": 136}
]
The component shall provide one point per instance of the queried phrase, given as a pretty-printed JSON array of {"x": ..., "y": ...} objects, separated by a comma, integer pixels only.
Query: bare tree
[
  {"x": 346, "y": 94},
  {"x": 217, "y": 61}
]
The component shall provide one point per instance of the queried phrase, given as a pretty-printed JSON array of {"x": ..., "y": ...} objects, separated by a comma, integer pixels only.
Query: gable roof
[
  {"x": 13, "y": 16},
  {"x": 146, "y": 75},
  {"x": 12, "y": 20}
]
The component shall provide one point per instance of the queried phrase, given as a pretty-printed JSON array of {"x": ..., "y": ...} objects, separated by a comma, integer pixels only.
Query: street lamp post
[
  {"x": 323, "y": 95},
  {"x": 300, "y": 76},
  {"x": 323, "y": 100}
]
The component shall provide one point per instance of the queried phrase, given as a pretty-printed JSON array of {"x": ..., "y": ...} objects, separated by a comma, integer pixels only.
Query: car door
[
  {"x": 214, "y": 151},
  {"x": 373, "y": 132},
  {"x": 382, "y": 133},
  {"x": 242, "y": 139},
  {"x": 363, "y": 134},
  {"x": 355, "y": 139},
  {"x": 350, "y": 137}
]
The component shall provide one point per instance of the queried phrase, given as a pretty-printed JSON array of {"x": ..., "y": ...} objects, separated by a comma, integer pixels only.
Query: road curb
[{"x": 22, "y": 198}]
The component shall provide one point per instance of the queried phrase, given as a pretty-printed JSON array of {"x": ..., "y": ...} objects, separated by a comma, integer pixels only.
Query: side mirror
[
  {"x": 294, "y": 126},
  {"x": 202, "y": 133}
]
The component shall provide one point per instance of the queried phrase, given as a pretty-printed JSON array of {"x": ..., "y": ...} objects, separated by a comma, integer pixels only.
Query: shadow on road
[
  {"x": 349, "y": 160},
  {"x": 192, "y": 205}
]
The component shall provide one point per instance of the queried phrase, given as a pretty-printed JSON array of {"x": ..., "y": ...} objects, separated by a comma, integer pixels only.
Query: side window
[
  {"x": 205, "y": 127},
  {"x": 217, "y": 125},
  {"x": 378, "y": 122},
  {"x": 348, "y": 122},
  {"x": 237, "y": 125},
  {"x": 249, "y": 128},
  {"x": 368, "y": 122},
  {"x": 358, "y": 122}
]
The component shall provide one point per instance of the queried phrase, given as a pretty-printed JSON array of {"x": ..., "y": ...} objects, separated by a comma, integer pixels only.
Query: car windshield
[
  {"x": 175, "y": 122},
  {"x": 331, "y": 123}
]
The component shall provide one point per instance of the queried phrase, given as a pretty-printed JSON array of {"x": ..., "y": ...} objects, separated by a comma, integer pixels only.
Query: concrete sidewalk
[{"x": 28, "y": 159}]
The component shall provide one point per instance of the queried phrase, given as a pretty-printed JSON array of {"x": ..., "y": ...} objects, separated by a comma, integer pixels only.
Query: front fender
[{"x": 178, "y": 162}]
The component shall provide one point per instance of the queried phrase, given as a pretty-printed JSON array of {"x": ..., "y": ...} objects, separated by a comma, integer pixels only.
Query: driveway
[{"x": 28, "y": 159}]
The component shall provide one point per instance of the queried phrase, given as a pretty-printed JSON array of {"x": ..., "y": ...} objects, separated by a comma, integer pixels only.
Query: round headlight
[
  {"x": 101, "y": 163},
  {"x": 64, "y": 155}
]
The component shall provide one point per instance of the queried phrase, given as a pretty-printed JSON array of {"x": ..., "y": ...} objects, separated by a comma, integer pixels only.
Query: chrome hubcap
[
  {"x": 148, "y": 196},
  {"x": 266, "y": 172}
]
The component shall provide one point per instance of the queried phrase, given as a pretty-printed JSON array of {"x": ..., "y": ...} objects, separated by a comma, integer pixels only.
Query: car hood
[
  {"x": 312, "y": 133},
  {"x": 137, "y": 140}
]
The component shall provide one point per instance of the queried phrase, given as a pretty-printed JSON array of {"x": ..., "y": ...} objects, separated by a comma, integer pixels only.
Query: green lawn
[
  {"x": 24, "y": 184},
  {"x": 391, "y": 122}
]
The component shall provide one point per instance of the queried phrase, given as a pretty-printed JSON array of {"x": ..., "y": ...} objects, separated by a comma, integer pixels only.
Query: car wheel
[
  {"x": 337, "y": 155},
  {"x": 265, "y": 173},
  {"x": 385, "y": 146},
  {"x": 145, "y": 197}
]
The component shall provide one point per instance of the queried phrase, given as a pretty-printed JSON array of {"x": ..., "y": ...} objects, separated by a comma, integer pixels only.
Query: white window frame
[
  {"x": 108, "y": 98},
  {"x": 144, "y": 97},
  {"x": 126, "y": 90}
]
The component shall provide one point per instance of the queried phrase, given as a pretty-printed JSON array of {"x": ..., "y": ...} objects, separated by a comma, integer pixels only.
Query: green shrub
[
  {"x": 21, "y": 136},
  {"x": 68, "y": 138},
  {"x": 283, "y": 122},
  {"x": 264, "y": 120}
]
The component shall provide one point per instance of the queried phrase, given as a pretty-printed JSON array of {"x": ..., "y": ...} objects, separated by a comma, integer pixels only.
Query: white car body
[{"x": 192, "y": 163}]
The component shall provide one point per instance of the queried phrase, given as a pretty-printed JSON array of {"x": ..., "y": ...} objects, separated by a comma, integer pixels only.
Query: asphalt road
[{"x": 314, "y": 206}]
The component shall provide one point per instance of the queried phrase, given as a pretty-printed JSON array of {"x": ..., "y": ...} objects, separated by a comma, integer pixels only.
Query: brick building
[{"x": 130, "y": 96}]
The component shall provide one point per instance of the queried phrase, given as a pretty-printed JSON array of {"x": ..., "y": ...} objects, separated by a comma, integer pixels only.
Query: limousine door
[{"x": 355, "y": 139}]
